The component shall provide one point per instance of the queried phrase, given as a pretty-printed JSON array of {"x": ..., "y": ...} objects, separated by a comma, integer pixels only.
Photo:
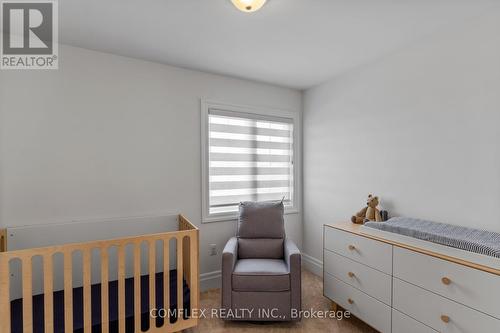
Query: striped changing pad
[{"x": 473, "y": 240}]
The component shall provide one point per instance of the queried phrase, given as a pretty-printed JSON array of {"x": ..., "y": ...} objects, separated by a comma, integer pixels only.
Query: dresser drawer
[
  {"x": 367, "y": 251},
  {"x": 368, "y": 280},
  {"x": 434, "y": 310},
  {"x": 366, "y": 308},
  {"x": 401, "y": 323},
  {"x": 465, "y": 285}
]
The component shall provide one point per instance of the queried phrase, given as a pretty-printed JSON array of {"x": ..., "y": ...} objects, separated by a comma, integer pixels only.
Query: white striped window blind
[{"x": 250, "y": 158}]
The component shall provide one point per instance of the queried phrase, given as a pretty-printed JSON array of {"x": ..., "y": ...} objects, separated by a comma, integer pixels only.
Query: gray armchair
[{"x": 261, "y": 267}]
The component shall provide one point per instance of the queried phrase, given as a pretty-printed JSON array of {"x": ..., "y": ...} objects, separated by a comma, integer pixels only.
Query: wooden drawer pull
[
  {"x": 445, "y": 319},
  {"x": 446, "y": 281},
  {"x": 351, "y": 274},
  {"x": 350, "y": 301},
  {"x": 352, "y": 247}
]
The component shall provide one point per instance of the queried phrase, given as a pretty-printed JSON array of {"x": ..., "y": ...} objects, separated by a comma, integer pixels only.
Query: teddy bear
[{"x": 369, "y": 213}]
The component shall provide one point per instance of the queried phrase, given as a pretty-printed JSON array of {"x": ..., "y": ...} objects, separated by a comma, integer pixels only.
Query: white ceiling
[{"x": 293, "y": 43}]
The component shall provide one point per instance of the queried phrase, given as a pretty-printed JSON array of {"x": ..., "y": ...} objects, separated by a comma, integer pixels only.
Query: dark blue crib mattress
[{"x": 38, "y": 306}]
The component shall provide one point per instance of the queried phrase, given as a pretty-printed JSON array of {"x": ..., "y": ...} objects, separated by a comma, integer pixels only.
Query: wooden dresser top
[{"x": 356, "y": 229}]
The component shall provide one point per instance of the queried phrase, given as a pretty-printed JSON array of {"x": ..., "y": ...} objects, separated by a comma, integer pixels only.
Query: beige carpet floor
[{"x": 312, "y": 297}]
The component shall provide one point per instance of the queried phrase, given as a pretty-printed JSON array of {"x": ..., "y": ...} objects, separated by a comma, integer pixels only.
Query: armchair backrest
[{"x": 261, "y": 230}]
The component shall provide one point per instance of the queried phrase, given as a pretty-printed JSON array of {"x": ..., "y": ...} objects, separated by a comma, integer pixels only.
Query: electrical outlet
[{"x": 213, "y": 249}]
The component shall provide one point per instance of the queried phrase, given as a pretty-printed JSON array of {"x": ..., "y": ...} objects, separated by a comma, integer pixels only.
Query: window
[{"x": 248, "y": 156}]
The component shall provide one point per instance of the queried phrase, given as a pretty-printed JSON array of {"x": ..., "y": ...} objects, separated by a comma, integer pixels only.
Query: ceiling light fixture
[{"x": 248, "y": 6}]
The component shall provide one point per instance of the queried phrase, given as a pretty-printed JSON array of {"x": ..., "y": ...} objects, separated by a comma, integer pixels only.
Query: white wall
[
  {"x": 420, "y": 128},
  {"x": 109, "y": 136}
]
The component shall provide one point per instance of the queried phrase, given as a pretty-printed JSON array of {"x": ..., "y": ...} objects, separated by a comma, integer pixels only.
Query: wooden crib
[{"x": 97, "y": 303}]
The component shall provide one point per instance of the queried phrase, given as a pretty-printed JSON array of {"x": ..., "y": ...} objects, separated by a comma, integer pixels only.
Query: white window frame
[{"x": 206, "y": 106}]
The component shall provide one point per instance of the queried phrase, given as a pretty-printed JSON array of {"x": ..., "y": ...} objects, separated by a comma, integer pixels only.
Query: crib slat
[
  {"x": 166, "y": 277},
  {"x": 121, "y": 289},
  {"x": 194, "y": 265},
  {"x": 104, "y": 290},
  {"x": 137, "y": 287},
  {"x": 27, "y": 296},
  {"x": 180, "y": 287},
  {"x": 87, "y": 295},
  {"x": 186, "y": 259},
  {"x": 152, "y": 281},
  {"x": 68, "y": 292},
  {"x": 5, "y": 298},
  {"x": 48, "y": 283}
]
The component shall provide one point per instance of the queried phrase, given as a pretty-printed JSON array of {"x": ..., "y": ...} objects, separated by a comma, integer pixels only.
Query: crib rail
[{"x": 187, "y": 239}]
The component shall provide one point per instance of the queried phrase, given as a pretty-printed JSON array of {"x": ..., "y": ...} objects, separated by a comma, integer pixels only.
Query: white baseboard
[
  {"x": 312, "y": 264},
  {"x": 210, "y": 280}
]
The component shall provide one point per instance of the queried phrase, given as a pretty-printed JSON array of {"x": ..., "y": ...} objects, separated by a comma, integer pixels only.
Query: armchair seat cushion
[{"x": 261, "y": 275}]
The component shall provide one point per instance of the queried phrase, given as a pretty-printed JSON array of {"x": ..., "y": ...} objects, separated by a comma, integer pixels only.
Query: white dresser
[{"x": 401, "y": 288}]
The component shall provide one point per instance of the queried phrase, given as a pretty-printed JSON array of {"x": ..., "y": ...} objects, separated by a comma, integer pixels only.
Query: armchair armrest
[
  {"x": 230, "y": 254},
  {"x": 292, "y": 255},
  {"x": 293, "y": 261},
  {"x": 229, "y": 257}
]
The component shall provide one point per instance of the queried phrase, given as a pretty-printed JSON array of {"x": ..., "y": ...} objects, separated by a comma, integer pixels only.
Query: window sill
[{"x": 234, "y": 216}]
